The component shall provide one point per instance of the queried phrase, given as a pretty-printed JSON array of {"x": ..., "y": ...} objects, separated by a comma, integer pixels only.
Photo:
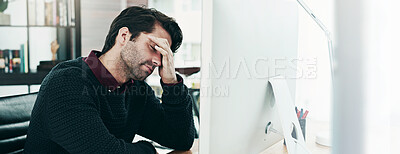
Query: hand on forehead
[{"x": 159, "y": 40}]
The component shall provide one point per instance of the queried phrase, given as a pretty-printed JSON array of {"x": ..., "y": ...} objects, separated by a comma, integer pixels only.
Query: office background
[{"x": 313, "y": 93}]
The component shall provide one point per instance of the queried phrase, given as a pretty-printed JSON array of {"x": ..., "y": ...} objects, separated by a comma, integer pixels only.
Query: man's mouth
[{"x": 149, "y": 69}]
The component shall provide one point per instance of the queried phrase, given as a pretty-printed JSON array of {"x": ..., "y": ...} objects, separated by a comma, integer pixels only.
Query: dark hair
[{"x": 140, "y": 19}]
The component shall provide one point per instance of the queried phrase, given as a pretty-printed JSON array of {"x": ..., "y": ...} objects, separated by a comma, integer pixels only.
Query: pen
[
  {"x": 298, "y": 115},
  {"x": 301, "y": 112},
  {"x": 305, "y": 115}
]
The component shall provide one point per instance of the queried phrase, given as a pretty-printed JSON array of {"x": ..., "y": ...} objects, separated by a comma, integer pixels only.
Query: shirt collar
[{"x": 102, "y": 74}]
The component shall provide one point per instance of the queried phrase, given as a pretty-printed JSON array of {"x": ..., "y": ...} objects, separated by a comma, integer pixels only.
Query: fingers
[
  {"x": 159, "y": 41},
  {"x": 162, "y": 46},
  {"x": 162, "y": 43},
  {"x": 167, "y": 59},
  {"x": 164, "y": 53},
  {"x": 167, "y": 69}
]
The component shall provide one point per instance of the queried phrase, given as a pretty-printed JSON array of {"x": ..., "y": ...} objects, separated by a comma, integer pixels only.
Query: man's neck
[{"x": 114, "y": 64}]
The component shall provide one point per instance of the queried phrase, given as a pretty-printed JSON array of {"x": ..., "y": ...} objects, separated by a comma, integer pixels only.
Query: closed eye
[{"x": 154, "y": 49}]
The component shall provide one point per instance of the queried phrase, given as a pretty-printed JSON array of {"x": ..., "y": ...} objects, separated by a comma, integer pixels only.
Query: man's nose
[{"x": 157, "y": 59}]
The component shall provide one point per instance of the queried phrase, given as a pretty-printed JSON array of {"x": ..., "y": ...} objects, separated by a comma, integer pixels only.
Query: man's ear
[{"x": 123, "y": 36}]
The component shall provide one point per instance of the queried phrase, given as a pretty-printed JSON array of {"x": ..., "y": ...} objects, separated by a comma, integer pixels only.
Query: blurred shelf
[
  {"x": 25, "y": 26},
  {"x": 13, "y": 26},
  {"x": 33, "y": 26},
  {"x": 52, "y": 26},
  {"x": 22, "y": 78}
]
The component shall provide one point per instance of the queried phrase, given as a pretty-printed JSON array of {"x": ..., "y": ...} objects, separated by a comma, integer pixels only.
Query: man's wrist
[
  {"x": 171, "y": 81},
  {"x": 174, "y": 93},
  {"x": 178, "y": 80},
  {"x": 148, "y": 146}
]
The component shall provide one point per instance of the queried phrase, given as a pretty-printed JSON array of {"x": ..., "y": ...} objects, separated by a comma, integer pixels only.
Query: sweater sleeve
[
  {"x": 169, "y": 123},
  {"x": 74, "y": 121}
]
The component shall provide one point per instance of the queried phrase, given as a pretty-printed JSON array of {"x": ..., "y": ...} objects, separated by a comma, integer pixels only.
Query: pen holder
[{"x": 302, "y": 123}]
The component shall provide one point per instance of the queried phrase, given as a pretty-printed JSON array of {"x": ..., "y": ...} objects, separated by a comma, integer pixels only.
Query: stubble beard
[{"x": 130, "y": 56}]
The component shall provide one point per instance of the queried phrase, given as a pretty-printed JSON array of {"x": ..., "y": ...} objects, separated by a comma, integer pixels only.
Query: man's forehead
[{"x": 160, "y": 32}]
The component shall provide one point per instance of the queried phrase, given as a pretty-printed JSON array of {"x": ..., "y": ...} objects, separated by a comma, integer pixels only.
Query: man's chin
[
  {"x": 144, "y": 78},
  {"x": 141, "y": 77}
]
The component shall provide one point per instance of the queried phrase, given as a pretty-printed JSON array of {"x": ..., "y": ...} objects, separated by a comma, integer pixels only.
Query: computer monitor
[{"x": 243, "y": 44}]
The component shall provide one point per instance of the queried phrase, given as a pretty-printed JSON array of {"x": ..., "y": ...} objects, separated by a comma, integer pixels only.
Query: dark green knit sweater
[{"x": 74, "y": 113}]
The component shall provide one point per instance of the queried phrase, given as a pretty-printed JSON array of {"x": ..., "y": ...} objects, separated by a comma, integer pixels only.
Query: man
[{"x": 98, "y": 103}]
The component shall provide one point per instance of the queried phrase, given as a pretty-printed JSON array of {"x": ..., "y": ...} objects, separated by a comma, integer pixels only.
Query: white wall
[
  {"x": 187, "y": 14},
  {"x": 366, "y": 102},
  {"x": 381, "y": 114},
  {"x": 96, "y": 18},
  {"x": 314, "y": 94}
]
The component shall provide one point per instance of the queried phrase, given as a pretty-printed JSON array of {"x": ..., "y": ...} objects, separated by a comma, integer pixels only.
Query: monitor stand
[{"x": 287, "y": 116}]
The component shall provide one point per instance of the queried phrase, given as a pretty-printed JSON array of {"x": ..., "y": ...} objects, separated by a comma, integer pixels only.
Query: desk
[
  {"x": 193, "y": 150},
  {"x": 313, "y": 127}
]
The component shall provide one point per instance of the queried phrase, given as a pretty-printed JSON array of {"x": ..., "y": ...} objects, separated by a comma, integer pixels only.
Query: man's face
[{"x": 140, "y": 56}]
